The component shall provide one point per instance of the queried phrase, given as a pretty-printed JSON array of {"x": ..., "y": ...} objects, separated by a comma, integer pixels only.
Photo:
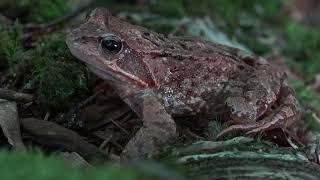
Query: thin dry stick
[
  {"x": 117, "y": 145},
  {"x": 106, "y": 141},
  {"x": 120, "y": 127},
  {"x": 11, "y": 95},
  {"x": 89, "y": 99}
]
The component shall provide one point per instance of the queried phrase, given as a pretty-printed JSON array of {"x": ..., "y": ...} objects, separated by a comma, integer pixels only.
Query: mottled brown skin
[{"x": 189, "y": 76}]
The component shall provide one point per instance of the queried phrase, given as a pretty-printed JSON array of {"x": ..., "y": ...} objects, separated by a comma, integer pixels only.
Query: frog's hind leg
[
  {"x": 159, "y": 130},
  {"x": 286, "y": 113}
]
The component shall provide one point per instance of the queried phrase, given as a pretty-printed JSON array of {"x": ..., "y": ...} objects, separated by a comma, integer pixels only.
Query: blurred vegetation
[{"x": 36, "y": 165}]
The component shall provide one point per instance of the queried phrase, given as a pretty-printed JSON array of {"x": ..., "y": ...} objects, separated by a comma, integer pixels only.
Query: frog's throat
[{"x": 106, "y": 76}]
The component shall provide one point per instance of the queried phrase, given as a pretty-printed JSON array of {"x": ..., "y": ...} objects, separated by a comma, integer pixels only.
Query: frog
[{"x": 189, "y": 76}]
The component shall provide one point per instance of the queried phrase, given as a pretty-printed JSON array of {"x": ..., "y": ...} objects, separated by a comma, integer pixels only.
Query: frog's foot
[
  {"x": 158, "y": 130},
  {"x": 283, "y": 116}
]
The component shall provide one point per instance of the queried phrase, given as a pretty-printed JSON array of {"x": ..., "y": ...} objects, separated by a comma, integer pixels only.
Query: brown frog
[{"x": 188, "y": 76}]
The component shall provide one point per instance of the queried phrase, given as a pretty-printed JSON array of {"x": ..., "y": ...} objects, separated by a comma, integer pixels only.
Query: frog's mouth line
[
  {"x": 106, "y": 76},
  {"x": 101, "y": 73}
]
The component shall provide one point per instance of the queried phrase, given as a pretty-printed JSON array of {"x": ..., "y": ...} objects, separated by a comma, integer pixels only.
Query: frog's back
[{"x": 191, "y": 74}]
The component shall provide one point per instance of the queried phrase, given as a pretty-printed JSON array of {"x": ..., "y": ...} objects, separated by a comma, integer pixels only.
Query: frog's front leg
[
  {"x": 158, "y": 130},
  {"x": 286, "y": 113}
]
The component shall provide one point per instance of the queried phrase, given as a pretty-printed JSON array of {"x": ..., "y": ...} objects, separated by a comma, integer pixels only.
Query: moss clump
[
  {"x": 311, "y": 122},
  {"x": 58, "y": 82},
  {"x": 11, "y": 48},
  {"x": 49, "y": 68},
  {"x": 43, "y": 11},
  {"x": 57, "y": 73},
  {"x": 305, "y": 95},
  {"x": 36, "y": 10}
]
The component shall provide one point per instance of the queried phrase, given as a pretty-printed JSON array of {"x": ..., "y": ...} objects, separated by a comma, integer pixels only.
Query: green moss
[
  {"x": 58, "y": 81},
  {"x": 15, "y": 3},
  {"x": 11, "y": 48},
  {"x": 305, "y": 95},
  {"x": 51, "y": 69},
  {"x": 311, "y": 122},
  {"x": 43, "y": 11},
  {"x": 57, "y": 73}
]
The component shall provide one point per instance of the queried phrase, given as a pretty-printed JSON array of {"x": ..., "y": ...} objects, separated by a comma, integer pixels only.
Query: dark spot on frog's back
[
  {"x": 250, "y": 61},
  {"x": 208, "y": 51},
  {"x": 183, "y": 46},
  {"x": 179, "y": 58},
  {"x": 161, "y": 38},
  {"x": 171, "y": 47},
  {"x": 163, "y": 54},
  {"x": 241, "y": 67},
  {"x": 146, "y": 34},
  {"x": 148, "y": 37}
]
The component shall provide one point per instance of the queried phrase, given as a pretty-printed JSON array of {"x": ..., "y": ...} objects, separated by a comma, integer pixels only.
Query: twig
[
  {"x": 120, "y": 127},
  {"x": 314, "y": 115},
  {"x": 192, "y": 134},
  {"x": 58, "y": 21},
  {"x": 89, "y": 99},
  {"x": 117, "y": 145},
  {"x": 46, "y": 117},
  {"x": 15, "y": 96},
  {"x": 126, "y": 117},
  {"x": 105, "y": 142},
  {"x": 53, "y": 135}
]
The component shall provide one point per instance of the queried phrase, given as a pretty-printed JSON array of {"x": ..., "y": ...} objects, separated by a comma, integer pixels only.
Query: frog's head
[{"x": 110, "y": 49}]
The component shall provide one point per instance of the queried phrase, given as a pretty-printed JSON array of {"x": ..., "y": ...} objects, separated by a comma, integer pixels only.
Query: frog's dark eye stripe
[{"x": 111, "y": 45}]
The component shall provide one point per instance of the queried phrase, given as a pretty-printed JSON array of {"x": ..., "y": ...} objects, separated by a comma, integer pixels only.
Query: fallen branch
[
  {"x": 53, "y": 135},
  {"x": 11, "y": 95}
]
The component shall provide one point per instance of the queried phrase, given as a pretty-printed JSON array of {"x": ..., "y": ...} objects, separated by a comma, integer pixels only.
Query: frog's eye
[{"x": 111, "y": 45}]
